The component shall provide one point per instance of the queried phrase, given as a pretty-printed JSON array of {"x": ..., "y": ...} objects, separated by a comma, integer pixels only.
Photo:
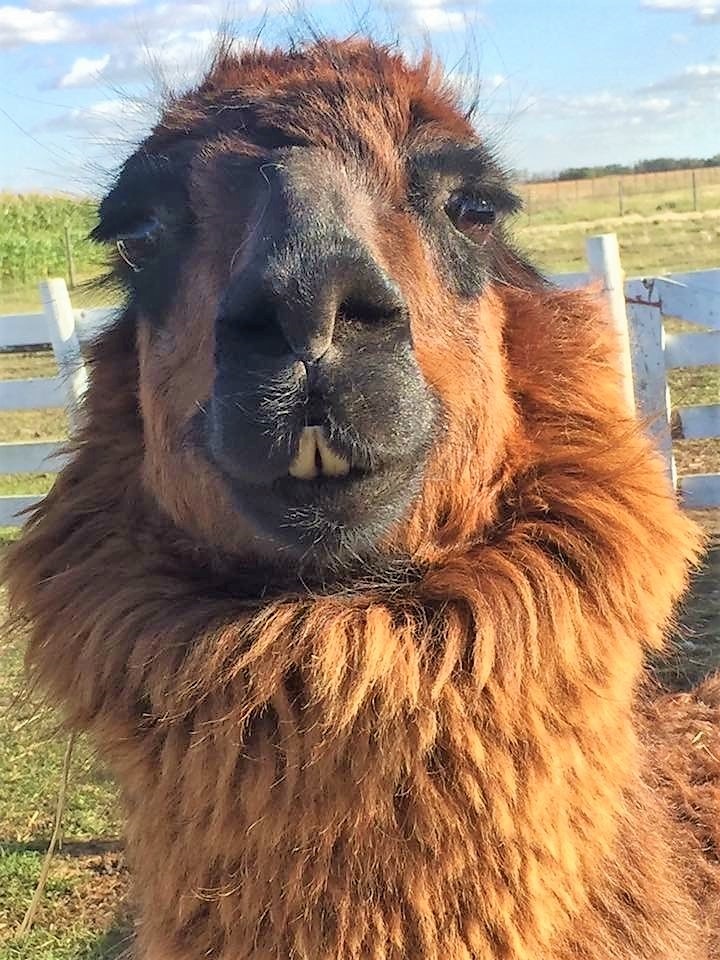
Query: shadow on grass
[
  {"x": 696, "y": 642},
  {"x": 115, "y": 944},
  {"x": 70, "y": 848}
]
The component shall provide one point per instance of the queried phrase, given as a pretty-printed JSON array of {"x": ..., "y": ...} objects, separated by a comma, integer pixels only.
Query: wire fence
[{"x": 642, "y": 194}]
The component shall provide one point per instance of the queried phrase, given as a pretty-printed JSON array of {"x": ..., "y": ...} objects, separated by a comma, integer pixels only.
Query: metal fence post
[{"x": 69, "y": 259}]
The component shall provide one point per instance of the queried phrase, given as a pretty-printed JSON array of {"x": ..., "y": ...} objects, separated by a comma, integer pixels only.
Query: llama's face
[{"x": 308, "y": 253}]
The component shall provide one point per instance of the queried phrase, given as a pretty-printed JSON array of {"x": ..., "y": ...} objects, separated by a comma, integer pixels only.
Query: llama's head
[{"x": 309, "y": 242}]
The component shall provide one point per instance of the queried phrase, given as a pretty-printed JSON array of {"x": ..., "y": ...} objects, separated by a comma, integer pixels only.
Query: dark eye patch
[
  {"x": 455, "y": 170},
  {"x": 475, "y": 211},
  {"x": 147, "y": 217},
  {"x": 461, "y": 196}
]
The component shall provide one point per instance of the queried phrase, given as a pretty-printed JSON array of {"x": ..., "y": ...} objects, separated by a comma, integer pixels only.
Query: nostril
[
  {"x": 368, "y": 311},
  {"x": 371, "y": 296},
  {"x": 249, "y": 325}
]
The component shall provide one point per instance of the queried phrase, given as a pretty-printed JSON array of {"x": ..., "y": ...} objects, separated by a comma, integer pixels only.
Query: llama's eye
[
  {"x": 471, "y": 214},
  {"x": 137, "y": 245}
]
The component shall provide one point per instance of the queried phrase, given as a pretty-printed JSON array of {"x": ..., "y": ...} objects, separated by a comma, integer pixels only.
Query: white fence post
[
  {"x": 649, "y": 367},
  {"x": 603, "y": 256},
  {"x": 66, "y": 346}
]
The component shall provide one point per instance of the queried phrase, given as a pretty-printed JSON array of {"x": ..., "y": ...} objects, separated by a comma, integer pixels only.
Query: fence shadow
[
  {"x": 695, "y": 650},
  {"x": 115, "y": 944}
]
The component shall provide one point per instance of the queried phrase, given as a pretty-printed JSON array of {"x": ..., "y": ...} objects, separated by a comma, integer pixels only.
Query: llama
[{"x": 358, "y": 556}]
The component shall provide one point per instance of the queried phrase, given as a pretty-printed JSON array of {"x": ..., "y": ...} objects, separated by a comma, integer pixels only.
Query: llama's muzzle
[{"x": 315, "y": 458}]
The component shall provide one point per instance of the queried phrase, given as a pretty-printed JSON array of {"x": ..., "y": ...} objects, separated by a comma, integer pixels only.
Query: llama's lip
[{"x": 315, "y": 458}]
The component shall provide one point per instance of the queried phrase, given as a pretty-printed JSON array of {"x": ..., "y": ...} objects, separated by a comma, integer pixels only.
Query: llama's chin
[{"x": 326, "y": 521}]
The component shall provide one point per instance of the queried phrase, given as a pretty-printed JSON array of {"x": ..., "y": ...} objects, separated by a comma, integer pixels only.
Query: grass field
[
  {"x": 643, "y": 194},
  {"x": 82, "y": 916},
  {"x": 33, "y": 245},
  {"x": 87, "y": 881}
]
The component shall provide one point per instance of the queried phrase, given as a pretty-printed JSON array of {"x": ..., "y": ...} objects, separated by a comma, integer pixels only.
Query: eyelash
[{"x": 136, "y": 245}]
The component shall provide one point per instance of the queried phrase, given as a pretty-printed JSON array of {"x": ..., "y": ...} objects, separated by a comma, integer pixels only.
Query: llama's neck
[
  {"x": 345, "y": 769},
  {"x": 370, "y": 764}
]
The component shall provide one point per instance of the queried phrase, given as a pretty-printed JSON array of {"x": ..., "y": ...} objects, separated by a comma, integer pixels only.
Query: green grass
[
  {"x": 81, "y": 917},
  {"x": 25, "y": 426},
  {"x": 62, "y": 932},
  {"x": 659, "y": 244},
  {"x": 25, "y": 484},
  {"x": 86, "y": 883},
  {"x": 541, "y": 207},
  {"x": 32, "y": 239},
  {"x": 696, "y": 385}
]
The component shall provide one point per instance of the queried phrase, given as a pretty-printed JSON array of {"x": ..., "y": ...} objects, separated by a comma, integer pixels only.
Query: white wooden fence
[
  {"x": 65, "y": 329},
  {"x": 638, "y": 307},
  {"x": 639, "y": 314}
]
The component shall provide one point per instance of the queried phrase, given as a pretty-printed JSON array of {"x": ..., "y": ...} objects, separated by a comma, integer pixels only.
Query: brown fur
[{"x": 462, "y": 765}]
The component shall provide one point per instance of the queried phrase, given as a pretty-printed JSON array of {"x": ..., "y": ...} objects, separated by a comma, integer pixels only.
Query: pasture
[{"x": 82, "y": 916}]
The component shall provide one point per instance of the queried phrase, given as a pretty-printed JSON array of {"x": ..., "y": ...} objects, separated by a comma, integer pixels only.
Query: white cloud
[
  {"x": 492, "y": 83},
  {"x": 438, "y": 19},
  {"x": 676, "y": 96},
  {"x": 706, "y": 11},
  {"x": 605, "y": 104},
  {"x": 119, "y": 120},
  {"x": 56, "y": 5},
  {"x": 474, "y": 87},
  {"x": 698, "y": 79},
  {"x": 437, "y": 16},
  {"x": 19, "y": 26},
  {"x": 84, "y": 72},
  {"x": 159, "y": 19},
  {"x": 680, "y": 39},
  {"x": 177, "y": 60},
  {"x": 619, "y": 125},
  {"x": 704, "y": 70}
]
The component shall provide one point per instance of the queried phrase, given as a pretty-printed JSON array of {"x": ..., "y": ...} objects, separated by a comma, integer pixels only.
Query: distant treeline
[{"x": 657, "y": 165}]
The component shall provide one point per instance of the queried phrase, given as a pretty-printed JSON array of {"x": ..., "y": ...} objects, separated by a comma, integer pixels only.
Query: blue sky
[{"x": 564, "y": 82}]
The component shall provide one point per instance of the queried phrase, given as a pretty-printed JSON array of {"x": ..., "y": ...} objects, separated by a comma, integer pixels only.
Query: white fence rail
[
  {"x": 638, "y": 308},
  {"x": 693, "y": 297},
  {"x": 64, "y": 329}
]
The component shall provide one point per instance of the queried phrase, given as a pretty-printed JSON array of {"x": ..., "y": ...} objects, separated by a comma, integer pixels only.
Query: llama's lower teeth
[{"x": 315, "y": 458}]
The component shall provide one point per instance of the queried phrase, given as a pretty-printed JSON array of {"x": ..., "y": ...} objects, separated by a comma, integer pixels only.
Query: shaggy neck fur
[{"x": 445, "y": 768}]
